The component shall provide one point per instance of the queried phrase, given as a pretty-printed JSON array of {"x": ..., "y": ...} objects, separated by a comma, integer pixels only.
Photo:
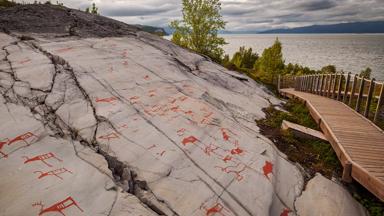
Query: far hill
[{"x": 355, "y": 27}]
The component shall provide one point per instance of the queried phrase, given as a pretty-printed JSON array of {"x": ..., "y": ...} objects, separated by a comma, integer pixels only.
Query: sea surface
[{"x": 348, "y": 52}]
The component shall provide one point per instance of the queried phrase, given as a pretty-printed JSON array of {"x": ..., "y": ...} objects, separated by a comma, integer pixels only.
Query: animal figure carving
[
  {"x": 42, "y": 158},
  {"x": 58, "y": 207},
  {"x": 23, "y": 137},
  {"x": 55, "y": 172},
  {"x": 2, "y": 144}
]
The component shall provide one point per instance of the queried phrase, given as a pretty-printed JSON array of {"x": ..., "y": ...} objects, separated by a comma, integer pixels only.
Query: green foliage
[
  {"x": 271, "y": 63},
  {"x": 329, "y": 69},
  {"x": 92, "y": 10},
  {"x": 296, "y": 69},
  {"x": 366, "y": 73},
  {"x": 244, "y": 58},
  {"x": 198, "y": 30},
  {"x": 48, "y": 2},
  {"x": 6, "y": 3},
  {"x": 314, "y": 155}
]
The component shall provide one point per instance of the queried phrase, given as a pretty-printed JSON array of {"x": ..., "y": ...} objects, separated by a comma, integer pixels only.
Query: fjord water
[{"x": 348, "y": 52}]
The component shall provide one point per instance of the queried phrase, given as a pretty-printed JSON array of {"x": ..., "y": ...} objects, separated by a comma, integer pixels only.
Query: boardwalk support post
[
  {"x": 278, "y": 83},
  {"x": 369, "y": 97},
  {"x": 353, "y": 90},
  {"x": 346, "y": 89},
  {"x": 346, "y": 177},
  {"x": 379, "y": 104},
  {"x": 360, "y": 95},
  {"x": 339, "y": 88}
]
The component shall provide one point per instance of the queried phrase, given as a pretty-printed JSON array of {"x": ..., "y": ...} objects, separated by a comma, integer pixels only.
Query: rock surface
[
  {"x": 133, "y": 126},
  {"x": 325, "y": 197}
]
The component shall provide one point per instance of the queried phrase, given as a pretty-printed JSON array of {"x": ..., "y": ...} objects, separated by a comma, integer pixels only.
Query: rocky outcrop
[
  {"x": 133, "y": 126},
  {"x": 325, "y": 197}
]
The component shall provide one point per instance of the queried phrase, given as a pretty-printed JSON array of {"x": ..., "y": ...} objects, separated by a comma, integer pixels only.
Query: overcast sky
[{"x": 242, "y": 14}]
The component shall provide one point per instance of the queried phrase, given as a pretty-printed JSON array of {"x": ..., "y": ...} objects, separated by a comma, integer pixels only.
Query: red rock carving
[
  {"x": 162, "y": 153},
  {"x": 181, "y": 131},
  {"x": 236, "y": 151},
  {"x": 151, "y": 147},
  {"x": 216, "y": 209},
  {"x": 285, "y": 212},
  {"x": 25, "y": 61},
  {"x": 125, "y": 63},
  {"x": 210, "y": 149},
  {"x": 267, "y": 168},
  {"x": 42, "y": 158},
  {"x": 58, "y": 207},
  {"x": 23, "y": 138},
  {"x": 106, "y": 100},
  {"x": 64, "y": 49},
  {"x": 190, "y": 139},
  {"x": 227, "y": 158},
  {"x": 109, "y": 136},
  {"x": 234, "y": 169},
  {"x": 2, "y": 144},
  {"x": 55, "y": 172},
  {"x": 146, "y": 77}
]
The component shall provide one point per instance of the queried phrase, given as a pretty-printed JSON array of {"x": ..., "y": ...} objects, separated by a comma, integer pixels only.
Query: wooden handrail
[{"x": 366, "y": 96}]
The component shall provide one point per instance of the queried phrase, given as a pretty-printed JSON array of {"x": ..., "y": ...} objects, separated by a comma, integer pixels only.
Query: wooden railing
[{"x": 366, "y": 96}]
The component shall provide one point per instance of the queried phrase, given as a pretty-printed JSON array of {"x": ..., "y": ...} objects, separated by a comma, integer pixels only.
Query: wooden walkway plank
[{"x": 358, "y": 143}]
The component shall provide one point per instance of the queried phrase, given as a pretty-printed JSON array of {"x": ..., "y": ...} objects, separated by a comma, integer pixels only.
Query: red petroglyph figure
[
  {"x": 64, "y": 49},
  {"x": 181, "y": 132},
  {"x": 125, "y": 63},
  {"x": 134, "y": 99},
  {"x": 227, "y": 158},
  {"x": 183, "y": 98},
  {"x": 210, "y": 149},
  {"x": 109, "y": 136},
  {"x": 162, "y": 153},
  {"x": 267, "y": 168},
  {"x": 285, "y": 212},
  {"x": 175, "y": 108},
  {"x": 23, "y": 138},
  {"x": 151, "y": 147},
  {"x": 2, "y": 144},
  {"x": 236, "y": 151},
  {"x": 25, "y": 61},
  {"x": 190, "y": 139},
  {"x": 234, "y": 169},
  {"x": 55, "y": 172},
  {"x": 206, "y": 117},
  {"x": 172, "y": 101},
  {"x": 106, "y": 100},
  {"x": 217, "y": 209},
  {"x": 42, "y": 158},
  {"x": 125, "y": 54},
  {"x": 189, "y": 112},
  {"x": 58, "y": 207},
  {"x": 225, "y": 135},
  {"x": 146, "y": 77}
]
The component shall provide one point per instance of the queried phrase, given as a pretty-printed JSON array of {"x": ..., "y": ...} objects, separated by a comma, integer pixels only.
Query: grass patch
[
  {"x": 6, "y": 4},
  {"x": 313, "y": 155}
]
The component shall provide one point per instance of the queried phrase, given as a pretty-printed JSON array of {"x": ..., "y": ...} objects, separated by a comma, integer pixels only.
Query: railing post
[
  {"x": 340, "y": 83},
  {"x": 313, "y": 79},
  {"x": 325, "y": 85},
  {"x": 334, "y": 87},
  {"x": 353, "y": 90},
  {"x": 360, "y": 96},
  {"x": 322, "y": 84},
  {"x": 317, "y": 83},
  {"x": 369, "y": 97},
  {"x": 346, "y": 88},
  {"x": 330, "y": 85},
  {"x": 379, "y": 104},
  {"x": 278, "y": 83}
]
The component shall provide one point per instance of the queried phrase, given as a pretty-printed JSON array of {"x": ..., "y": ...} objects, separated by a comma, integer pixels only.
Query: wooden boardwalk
[{"x": 358, "y": 143}]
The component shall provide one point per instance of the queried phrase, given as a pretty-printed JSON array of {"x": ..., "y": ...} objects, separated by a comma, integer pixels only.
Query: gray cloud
[
  {"x": 316, "y": 5},
  {"x": 242, "y": 14}
]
